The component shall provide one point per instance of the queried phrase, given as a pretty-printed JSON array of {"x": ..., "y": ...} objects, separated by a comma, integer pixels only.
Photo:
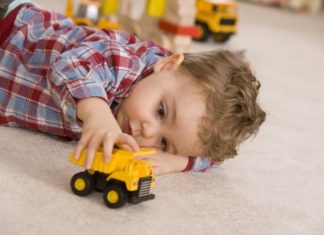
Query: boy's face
[{"x": 164, "y": 111}]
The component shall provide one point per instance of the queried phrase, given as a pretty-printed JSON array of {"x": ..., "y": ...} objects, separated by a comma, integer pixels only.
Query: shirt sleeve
[
  {"x": 199, "y": 164},
  {"x": 98, "y": 67},
  {"x": 75, "y": 75}
]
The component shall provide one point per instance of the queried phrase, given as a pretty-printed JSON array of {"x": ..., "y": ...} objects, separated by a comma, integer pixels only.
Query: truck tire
[
  {"x": 115, "y": 196},
  {"x": 221, "y": 37},
  {"x": 204, "y": 32},
  {"x": 82, "y": 183}
]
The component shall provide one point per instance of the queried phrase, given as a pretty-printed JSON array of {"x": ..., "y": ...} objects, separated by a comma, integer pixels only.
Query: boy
[{"x": 107, "y": 88}]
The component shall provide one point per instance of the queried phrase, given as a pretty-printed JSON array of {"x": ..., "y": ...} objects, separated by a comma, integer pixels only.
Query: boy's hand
[
  {"x": 100, "y": 128},
  {"x": 164, "y": 163}
]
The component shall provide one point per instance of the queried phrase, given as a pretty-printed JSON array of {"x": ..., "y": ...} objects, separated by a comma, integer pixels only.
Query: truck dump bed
[{"x": 119, "y": 159}]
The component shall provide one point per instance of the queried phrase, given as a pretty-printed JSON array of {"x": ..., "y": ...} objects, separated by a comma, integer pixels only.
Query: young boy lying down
[{"x": 108, "y": 88}]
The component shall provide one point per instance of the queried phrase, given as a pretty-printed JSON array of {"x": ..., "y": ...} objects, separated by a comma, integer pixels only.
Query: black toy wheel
[
  {"x": 115, "y": 196},
  {"x": 82, "y": 183},
  {"x": 204, "y": 32},
  {"x": 221, "y": 37}
]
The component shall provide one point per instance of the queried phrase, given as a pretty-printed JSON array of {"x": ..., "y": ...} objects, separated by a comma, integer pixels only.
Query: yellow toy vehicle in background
[
  {"x": 217, "y": 18},
  {"x": 98, "y": 14},
  {"x": 122, "y": 179}
]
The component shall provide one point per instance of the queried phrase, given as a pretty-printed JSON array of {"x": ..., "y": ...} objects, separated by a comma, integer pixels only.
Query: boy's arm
[
  {"x": 100, "y": 128},
  {"x": 164, "y": 163}
]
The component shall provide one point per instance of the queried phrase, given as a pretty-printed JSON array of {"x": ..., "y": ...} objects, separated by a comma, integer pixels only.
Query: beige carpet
[{"x": 275, "y": 185}]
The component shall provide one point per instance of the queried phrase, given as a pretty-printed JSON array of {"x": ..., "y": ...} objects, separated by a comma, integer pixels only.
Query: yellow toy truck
[
  {"x": 217, "y": 18},
  {"x": 122, "y": 179},
  {"x": 94, "y": 13}
]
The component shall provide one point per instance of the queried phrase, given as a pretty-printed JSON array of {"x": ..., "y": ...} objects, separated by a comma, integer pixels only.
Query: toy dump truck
[
  {"x": 123, "y": 179},
  {"x": 217, "y": 18}
]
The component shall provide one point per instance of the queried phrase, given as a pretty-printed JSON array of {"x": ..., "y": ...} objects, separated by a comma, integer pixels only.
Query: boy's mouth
[{"x": 127, "y": 128}]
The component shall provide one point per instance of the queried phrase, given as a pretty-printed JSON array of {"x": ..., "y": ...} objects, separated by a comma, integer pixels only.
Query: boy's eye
[
  {"x": 161, "y": 110},
  {"x": 164, "y": 144}
]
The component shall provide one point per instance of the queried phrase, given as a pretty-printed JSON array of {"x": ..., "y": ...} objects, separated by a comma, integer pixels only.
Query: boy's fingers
[
  {"x": 89, "y": 159},
  {"x": 142, "y": 157},
  {"x": 79, "y": 148},
  {"x": 77, "y": 152},
  {"x": 128, "y": 140},
  {"x": 152, "y": 157},
  {"x": 92, "y": 147},
  {"x": 148, "y": 159},
  {"x": 125, "y": 147},
  {"x": 108, "y": 140},
  {"x": 108, "y": 145}
]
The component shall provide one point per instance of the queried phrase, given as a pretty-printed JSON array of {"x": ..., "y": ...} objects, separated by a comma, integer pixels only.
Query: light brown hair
[{"x": 232, "y": 111}]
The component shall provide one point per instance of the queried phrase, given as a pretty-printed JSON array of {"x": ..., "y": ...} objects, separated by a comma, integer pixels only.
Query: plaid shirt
[{"x": 47, "y": 64}]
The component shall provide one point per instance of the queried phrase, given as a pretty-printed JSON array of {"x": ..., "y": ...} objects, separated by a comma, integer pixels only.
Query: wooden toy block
[
  {"x": 181, "y": 9},
  {"x": 177, "y": 29},
  {"x": 155, "y": 8},
  {"x": 179, "y": 43},
  {"x": 109, "y": 7},
  {"x": 179, "y": 19}
]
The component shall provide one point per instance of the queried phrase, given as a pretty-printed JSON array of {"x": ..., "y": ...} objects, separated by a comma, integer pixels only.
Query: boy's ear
[{"x": 169, "y": 63}]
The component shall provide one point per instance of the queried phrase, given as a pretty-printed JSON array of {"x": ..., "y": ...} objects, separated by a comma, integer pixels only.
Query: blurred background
[{"x": 175, "y": 23}]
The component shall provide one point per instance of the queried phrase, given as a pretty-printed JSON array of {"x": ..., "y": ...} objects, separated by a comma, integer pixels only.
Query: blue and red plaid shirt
[{"x": 47, "y": 64}]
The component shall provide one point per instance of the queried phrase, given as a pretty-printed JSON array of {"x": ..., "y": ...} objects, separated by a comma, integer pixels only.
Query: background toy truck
[
  {"x": 100, "y": 14},
  {"x": 217, "y": 18},
  {"x": 122, "y": 179}
]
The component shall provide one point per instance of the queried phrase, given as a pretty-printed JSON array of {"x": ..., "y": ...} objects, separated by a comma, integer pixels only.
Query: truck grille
[
  {"x": 227, "y": 21},
  {"x": 144, "y": 186}
]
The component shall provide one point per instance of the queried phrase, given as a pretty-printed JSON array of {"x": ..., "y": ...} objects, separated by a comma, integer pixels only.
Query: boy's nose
[{"x": 149, "y": 130}]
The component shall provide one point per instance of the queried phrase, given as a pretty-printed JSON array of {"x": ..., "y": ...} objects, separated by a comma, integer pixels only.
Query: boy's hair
[{"x": 232, "y": 112}]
